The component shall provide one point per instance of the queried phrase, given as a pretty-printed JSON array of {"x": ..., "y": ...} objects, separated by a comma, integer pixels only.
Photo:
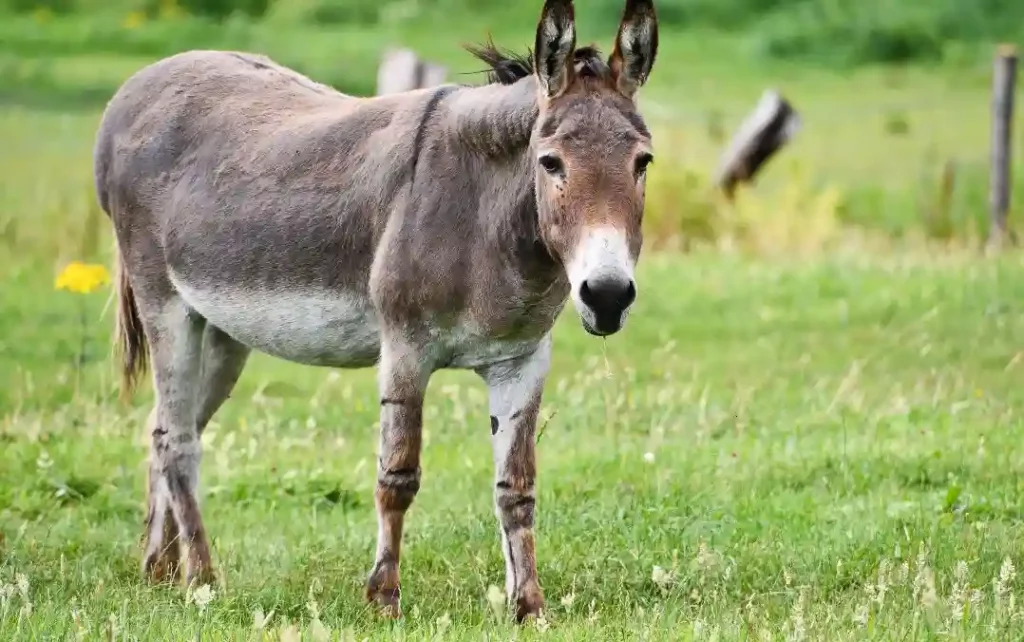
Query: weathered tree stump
[
  {"x": 771, "y": 125},
  {"x": 402, "y": 70}
]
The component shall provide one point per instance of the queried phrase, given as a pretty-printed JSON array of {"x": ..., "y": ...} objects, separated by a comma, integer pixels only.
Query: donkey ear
[
  {"x": 636, "y": 46},
  {"x": 554, "y": 46}
]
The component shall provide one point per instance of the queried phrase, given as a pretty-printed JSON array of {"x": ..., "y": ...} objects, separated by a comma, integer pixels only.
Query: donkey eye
[
  {"x": 551, "y": 164},
  {"x": 642, "y": 161}
]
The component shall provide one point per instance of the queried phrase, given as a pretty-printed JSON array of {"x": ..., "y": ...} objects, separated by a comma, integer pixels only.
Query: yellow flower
[{"x": 82, "y": 278}]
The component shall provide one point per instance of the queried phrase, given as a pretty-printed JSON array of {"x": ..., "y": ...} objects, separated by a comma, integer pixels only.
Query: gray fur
[{"x": 257, "y": 209}]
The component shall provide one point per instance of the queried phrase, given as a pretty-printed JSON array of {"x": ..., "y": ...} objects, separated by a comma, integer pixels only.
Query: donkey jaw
[{"x": 601, "y": 278}]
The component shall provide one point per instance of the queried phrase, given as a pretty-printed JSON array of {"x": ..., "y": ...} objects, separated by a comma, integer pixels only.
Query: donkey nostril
[
  {"x": 587, "y": 295},
  {"x": 629, "y": 295}
]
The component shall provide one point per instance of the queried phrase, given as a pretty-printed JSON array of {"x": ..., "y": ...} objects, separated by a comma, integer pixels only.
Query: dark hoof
[
  {"x": 388, "y": 602},
  {"x": 162, "y": 568},
  {"x": 529, "y": 604},
  {"x": 383, "y": 590}
]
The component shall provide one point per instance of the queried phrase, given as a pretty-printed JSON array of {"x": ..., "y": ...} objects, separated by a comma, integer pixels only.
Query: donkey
[{"x": 255, "y": 209}]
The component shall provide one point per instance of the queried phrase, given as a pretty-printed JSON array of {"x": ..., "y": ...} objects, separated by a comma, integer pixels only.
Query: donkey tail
[{"x": 130, "y": 337}]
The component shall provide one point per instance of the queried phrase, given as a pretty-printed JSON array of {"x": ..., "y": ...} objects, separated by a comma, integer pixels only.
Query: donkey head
[{"x": 592, "y": 151}]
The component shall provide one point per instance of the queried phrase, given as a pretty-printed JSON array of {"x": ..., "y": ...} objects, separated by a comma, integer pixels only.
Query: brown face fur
[{"x": 592, "y": 153}]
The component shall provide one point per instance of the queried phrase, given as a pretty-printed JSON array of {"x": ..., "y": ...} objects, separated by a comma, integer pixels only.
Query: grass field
[
  {"x": 818, "y": 439},
  {"x": 808, "y": 450}
]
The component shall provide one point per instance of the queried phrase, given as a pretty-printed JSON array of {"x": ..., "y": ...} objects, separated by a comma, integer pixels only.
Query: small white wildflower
[
  {"x": 861, "y": 616},
  {"x": 1001, "y": 584},
  {"x": 871, "y": 591},
  {"x": 22, "y": 581},
  {"x": 706, "y": 559},
  {"x": 903, "y": 574},
  {"x": 442, "y": 623},
  {"x": 541, "y": 622},
  {"x": 958, "y": 594},
  {"x": 43, "y": 461},
  {"x": 960, "y": 572},
  {"x": 924, "y": 581},
  {"x": 661, "y": 577},
  {"x": 496, "y": 598},
  {"x": 649, "y": 457},
  {"x": 928, "y": 594},
  {"x": 318, "y": 631},
  {"x": 698, "y": 627},
  {"x": 202, "y": 596},
  {"x": 883, "y": 582},
  {"x": 81, "y": 631},
  {"x": 289, "y": 633},
  {"x": 975, "y": 600},
  {"x": 567, "y": 600},
  {"x": 787, "y": 577},
  {"x": 259, "y": 620}
]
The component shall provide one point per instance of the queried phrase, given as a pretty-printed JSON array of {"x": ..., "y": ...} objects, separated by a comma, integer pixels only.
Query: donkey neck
[
  {"x": 494, "y": 124},
  {"x": 495, "y": 120}
]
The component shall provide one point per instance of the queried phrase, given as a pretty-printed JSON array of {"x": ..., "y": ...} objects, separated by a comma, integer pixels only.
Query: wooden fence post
[
  {"x": 771, "y": 125},
  {"x": 402, "y": 70},
  {"x": 1004, "y": 75}
]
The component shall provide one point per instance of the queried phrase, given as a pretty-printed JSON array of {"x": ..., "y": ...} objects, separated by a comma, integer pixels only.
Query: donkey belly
[{"x": 315, "y": 327}]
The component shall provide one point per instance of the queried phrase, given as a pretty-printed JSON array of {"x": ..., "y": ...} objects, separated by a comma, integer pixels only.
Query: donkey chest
[{"x": 465, "y": 347}]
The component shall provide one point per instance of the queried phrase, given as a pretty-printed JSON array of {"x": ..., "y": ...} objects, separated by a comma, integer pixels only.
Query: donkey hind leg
[
  {"x": 515, "y": 389},
  {"x": 223, "y": 360},
  {"x": 403, "y": 382},
  {"x": 176, "y": 345},
  {"x": 161, "y": 560}
]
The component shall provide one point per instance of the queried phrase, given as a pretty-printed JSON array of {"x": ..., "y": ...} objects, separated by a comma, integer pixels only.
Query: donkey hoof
[
  {"x": 529, "y": 604},
  {"x": 388, "y": 601},
  {"x": 383, "y": 589},
  {"x": 199, "y": 575},
  {"x": 161, "y": 569}
]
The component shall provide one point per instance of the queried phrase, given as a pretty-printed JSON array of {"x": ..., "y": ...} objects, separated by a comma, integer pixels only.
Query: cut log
[
  {"x": 402, "y": 70},
  {"x": 771, "y": 125}
]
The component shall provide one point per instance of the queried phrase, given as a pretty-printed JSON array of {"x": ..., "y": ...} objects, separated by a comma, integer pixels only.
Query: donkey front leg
[
  {"x": 403, "y": 381},
  {"x": 515, "y": 393}
]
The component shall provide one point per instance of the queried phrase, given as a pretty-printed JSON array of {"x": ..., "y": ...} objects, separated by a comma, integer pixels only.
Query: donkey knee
[{"x": 396, "y": 489}]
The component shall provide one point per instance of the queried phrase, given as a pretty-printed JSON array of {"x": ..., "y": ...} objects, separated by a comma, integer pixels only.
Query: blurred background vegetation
[{"x": 894, "y": 98}]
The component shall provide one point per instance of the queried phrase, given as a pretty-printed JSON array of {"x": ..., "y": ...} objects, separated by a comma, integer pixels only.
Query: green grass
[
  {"x": 810, "y": 423},
  {"x": 831, "y": 437}
]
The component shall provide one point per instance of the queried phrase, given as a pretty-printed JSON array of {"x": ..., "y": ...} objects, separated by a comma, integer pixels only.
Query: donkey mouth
[{"x": 600, "y": 329}]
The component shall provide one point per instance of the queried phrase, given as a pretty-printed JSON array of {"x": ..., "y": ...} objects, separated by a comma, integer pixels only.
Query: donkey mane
[{"x": 507, "y": 67}]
